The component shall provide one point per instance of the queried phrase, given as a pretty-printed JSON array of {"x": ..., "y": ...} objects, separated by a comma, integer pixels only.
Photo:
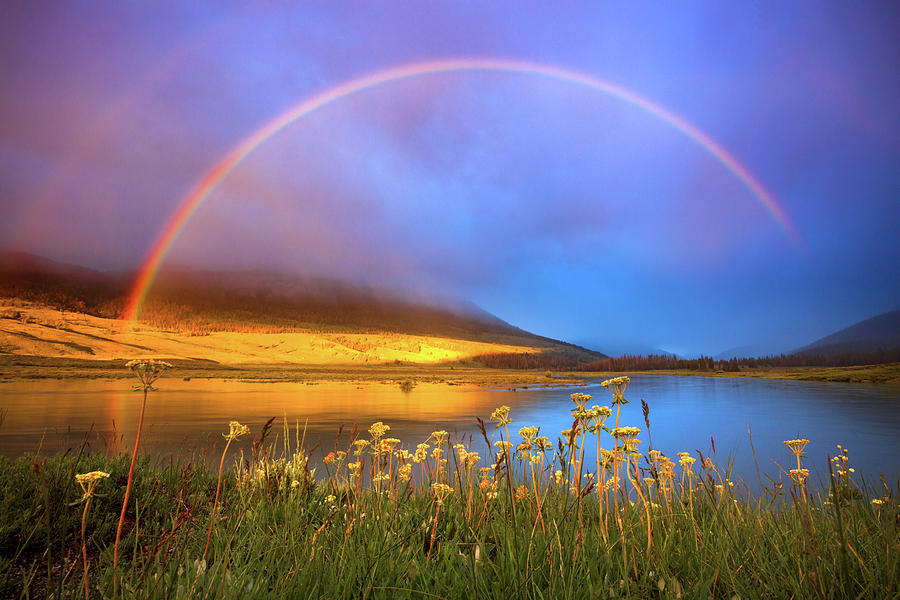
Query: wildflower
[
  {"x": 471, "y": 459},
  {"x": 360, "y": 444},
  {"x": 796, "y": 446},
  {"x": 421, "y": 453},
  {"x": 580, "y": 401},
  {"x": 877, "y": 502},
  {"x": 598, "y": 416},
  {"x": 631, "y": 446},
  {"x": 147, "y": 371},
  {"x": 439, "y": 437},
  {"x": 502, "y": 445},
  {"x": 405, "y": 471},
  {"x": 529, "y": 433},
  {"x": 329, "y": 499},
  {"x": 626, "y": 432},
  {"x": 606, "y": 457},
  {"x": 377, "y": 430},
  {"x": 799, "y": 475},
  {"x": 617, "y": 387},
  {"x": 501, "y": 416},
  {"x": 521, "y": 492},
  {"x": 89, "y": 482},
  {"x": 602, "y": 411},
  {"x": 388, "y": 444},
  {"x": 329, "y": 458},
  {"x": 236, "y": 431},
  {"x": 441, "y": 491}
]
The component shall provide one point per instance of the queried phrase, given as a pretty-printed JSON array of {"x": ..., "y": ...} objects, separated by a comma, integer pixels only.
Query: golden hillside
[{"x": 28, "y": 329}]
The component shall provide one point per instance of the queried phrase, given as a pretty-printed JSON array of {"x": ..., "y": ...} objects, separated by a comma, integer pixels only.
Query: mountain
[
  {"x": 202, "y": 303},
  {"x": 872, "y": 335}
]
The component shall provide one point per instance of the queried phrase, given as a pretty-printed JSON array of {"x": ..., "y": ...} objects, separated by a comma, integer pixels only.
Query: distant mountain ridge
[
  {"x": 881, "y": 332},
  {"x": 199, "y": 302}
]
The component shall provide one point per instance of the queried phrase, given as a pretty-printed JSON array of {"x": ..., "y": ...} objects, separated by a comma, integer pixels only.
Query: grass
[
  {"x": 381, "y": 521},
  {"x": 886, "y": 373}
]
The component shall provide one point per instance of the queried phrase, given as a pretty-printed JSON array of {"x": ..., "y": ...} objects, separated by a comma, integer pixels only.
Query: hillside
[
  {"x": 879, "y": 333},
  {"x": 66, "y": 311}
]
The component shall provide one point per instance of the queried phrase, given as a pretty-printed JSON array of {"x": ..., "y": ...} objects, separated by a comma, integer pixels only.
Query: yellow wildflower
[
  {"x": 377, "y": 430},
  {"x": 236, "y": 431}
]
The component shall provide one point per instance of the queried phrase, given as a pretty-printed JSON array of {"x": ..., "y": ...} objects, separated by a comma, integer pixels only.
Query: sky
[{"x": 563, "y": 209}]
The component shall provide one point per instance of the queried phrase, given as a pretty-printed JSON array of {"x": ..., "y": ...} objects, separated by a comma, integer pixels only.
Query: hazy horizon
[{"x": 573, "y": 213}]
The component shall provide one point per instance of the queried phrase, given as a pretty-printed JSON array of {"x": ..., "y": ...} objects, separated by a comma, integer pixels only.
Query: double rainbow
[{"x": 201, "y": 191}]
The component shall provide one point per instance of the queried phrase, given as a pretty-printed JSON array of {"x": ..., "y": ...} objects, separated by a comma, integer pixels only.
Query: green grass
[{"x": 282, "y": 530}]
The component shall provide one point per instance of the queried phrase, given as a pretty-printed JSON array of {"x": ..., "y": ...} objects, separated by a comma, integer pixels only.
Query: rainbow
[{"x": 201, "y": 191}]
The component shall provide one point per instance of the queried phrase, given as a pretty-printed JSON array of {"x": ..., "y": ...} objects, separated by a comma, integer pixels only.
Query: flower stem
[
  {"x": 137, "y": 441},
  {"x": 87, "y": 503},
  {"x": 212, "y": 518}
]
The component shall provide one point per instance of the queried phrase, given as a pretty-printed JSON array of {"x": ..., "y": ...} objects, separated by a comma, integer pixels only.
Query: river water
[{"x": 686, "y": 414}]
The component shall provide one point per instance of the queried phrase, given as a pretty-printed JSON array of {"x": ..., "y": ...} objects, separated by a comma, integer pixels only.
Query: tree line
[{"x": 655, "y": 362}]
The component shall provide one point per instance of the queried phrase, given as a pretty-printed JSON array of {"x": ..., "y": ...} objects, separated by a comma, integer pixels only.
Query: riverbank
[
  {"x": 22, "y": 368},
  {"x": 887, "y": 373}
]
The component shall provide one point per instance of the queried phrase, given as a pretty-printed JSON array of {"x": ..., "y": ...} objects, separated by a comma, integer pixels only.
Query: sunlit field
[{"x": 446, "y": 518}]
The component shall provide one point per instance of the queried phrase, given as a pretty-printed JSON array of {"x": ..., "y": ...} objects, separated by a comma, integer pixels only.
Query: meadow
[{"x": 519, "y": 513}]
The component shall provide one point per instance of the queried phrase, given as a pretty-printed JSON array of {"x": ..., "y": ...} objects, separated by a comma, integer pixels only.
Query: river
[{"x": 686, "y": 414}]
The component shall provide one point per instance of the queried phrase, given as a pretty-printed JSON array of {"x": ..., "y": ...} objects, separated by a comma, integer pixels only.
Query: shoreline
[
  {"x": 888, "y": 374},
  {"x": 14, "y": 367},
  {"x": 17, "y": 368}
]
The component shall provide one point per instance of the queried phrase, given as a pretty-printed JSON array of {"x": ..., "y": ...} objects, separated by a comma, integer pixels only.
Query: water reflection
[{"x": 686, "y": 413}]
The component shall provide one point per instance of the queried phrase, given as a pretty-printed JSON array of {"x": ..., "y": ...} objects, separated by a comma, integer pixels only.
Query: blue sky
[{"x": 566, "y": 212}]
